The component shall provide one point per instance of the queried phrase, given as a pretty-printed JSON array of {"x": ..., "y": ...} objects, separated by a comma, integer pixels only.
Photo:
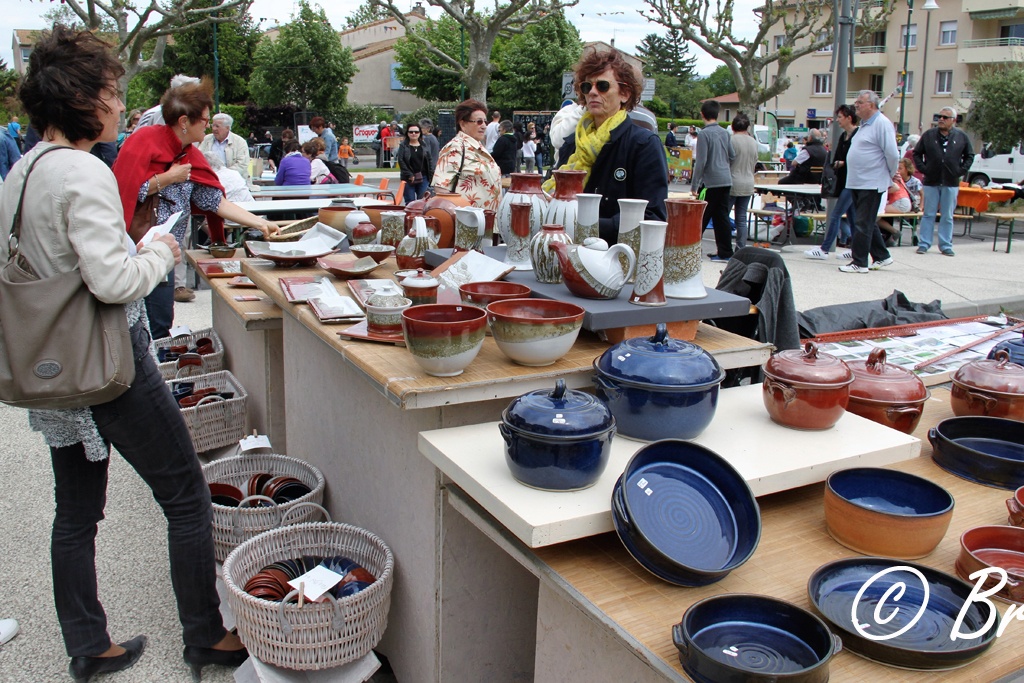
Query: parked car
[{"x": 997, "y": 166}]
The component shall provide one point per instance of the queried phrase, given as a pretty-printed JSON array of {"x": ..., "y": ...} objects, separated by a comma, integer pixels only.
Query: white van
[
  {"x": 763, "y": 135},
  {"x": 997, "y": 166}
]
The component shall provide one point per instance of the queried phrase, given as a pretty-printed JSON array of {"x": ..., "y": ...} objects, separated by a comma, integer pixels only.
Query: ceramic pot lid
[
  {"x": 998, "y": 374},
  {"x": 660, "y": 360},
  {"x": 1015, "y": 347},
  {"x": 809, "y": 366},
  {"x": 876, "y": 380},
  {"x": 421, "y": 279},
  {"x": 387, "y": 297},
  {"x": 561, "y": 412}
]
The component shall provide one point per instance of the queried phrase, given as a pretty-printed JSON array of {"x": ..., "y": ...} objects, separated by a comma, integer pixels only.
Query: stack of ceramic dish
[
  {"x": 215, "y": 420},
  {"x": 205, "y": 342},
  {"x": 684, "y": 513},
  {"x": 271, "y": 582}
]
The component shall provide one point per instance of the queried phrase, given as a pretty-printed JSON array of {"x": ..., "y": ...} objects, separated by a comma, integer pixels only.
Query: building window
[
  {"x": 943, "y": 82},
  {"x": 824, "y": 35},
  {"x": 822, "y": 84},
  {"x": 908, "y": 37},
  {"x": 1011, "y": 31},
  {"x": 910, "y": 83},
  {"x": 26, "y": 52},
  {"x": 876, "y": 82},
  {"x": 947, "y": 33},
  {"x": 779, "y": 41}
]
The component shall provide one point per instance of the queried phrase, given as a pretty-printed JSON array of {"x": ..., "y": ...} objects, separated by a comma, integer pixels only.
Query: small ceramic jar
[
  {"x": 384, "y": 311},
  {"x": 989, "y": 387},
  {"x": 421, "y": 288}
]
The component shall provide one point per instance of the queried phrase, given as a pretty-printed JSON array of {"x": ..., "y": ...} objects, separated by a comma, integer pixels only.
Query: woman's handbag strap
[{"x": 12, "y": 241}]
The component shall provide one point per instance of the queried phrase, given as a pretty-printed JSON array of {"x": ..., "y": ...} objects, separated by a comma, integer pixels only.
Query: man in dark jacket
[
  {"x": 943, "y": 154},
  {"x": 811, "y": 156},
  {"x": 505, "y": 148}
]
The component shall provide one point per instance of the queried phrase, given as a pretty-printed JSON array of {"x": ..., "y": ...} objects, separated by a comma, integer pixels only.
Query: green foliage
[
  {"x": 260, "y": 118},
  {"x": 682, "y": 97},
  {"x": 682, "y": 123},
  {"x": 9, "y": 103},
  {"x": 192, "y": 53},
  {"x": 366, "y": 13},
  {"x": 414, "y": 70},
  {"x": 658, "y": 107},
  {"x": 307, "y": 64},
  {"x": 720, "y": 82},
  {"x": 237, "y": 112},
  {"x": 143, "y": 94},
  {"x": 430, "y": 111},
  {"x": 668, "y": 56},
  {"x": 997, "y": 107},
  {"x": 530, "y": 65}
]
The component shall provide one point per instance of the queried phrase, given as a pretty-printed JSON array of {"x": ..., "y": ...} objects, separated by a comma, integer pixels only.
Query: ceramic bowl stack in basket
[
  {"x": 219, "y": 419},
  {"x": 213, "y": 361},
  {"x": 234, "y": 525},
  {"x": 318, "y": 635}
]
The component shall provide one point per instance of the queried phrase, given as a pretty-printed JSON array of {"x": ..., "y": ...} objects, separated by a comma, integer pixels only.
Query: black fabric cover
[{"x": 895, "y": 309}]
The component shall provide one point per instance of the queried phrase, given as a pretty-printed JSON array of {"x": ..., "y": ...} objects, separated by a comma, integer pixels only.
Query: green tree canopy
[
  {"x": 307, "y": 64},
  {"x": 667, "y": 56},
  {"x": 530, "y": 65},
  {"x": 366, "y": 13},
  {"x": 720, "y": 82},
  {"x": 997, "y": 106},
  {"x": 415, "y": 70}
]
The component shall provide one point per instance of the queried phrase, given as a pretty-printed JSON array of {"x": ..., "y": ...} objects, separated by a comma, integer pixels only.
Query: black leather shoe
[
  {"x": 84, "y": 668},
  {"x": 198, "y": 657}
]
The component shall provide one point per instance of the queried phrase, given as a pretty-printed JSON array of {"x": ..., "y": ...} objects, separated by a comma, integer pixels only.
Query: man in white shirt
[
  {"x": 492, "y": 134},
  {"x": 231, "y": 148},
  {"x": 235, "y": 188}
]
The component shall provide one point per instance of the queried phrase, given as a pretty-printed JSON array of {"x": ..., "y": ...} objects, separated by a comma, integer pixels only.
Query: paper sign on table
[
  {"x": 253, "y": 442},
  {"x": 316, "y": 582},
  {"x": 162, "y": 229}
]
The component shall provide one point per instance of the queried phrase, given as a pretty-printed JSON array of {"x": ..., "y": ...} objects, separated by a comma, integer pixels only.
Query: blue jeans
[
  {"x": 837, "y": 225},
  {"x": 160, "y": 308},
  {"x": 414, "y": 191},
  {"x": 145, "y": 425},
  {"x": 938, "y": 199},
  {"x": 739, "y": 208},
  {"x": 867, "y": 236}
]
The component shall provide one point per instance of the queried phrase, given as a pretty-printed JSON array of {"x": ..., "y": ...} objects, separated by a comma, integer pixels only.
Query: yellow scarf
[{"x": 589, "y": 142}]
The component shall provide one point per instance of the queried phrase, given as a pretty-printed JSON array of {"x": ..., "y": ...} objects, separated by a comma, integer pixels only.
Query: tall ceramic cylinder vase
[
  {"x": 682, "y": 249},
  {"x": 518, "y": 237},
  {"x": 563, "y": 206},
  {"x": 587, "y": 217},
  {"x": 524, "y": 188},
  {"x": 392, "y": 224},
  {"x": 648, "y": 287},
  {"x": 545, "y": 260},
  {"x": 631, "y": 212}
]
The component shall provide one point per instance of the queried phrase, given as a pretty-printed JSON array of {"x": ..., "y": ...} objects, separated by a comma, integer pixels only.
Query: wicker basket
[
  {"x": 212, "y": 362},
  {"x": 215, "y": 421},
  {"x": 233, "y": 525},
  {"x": 316, "y": 635}
]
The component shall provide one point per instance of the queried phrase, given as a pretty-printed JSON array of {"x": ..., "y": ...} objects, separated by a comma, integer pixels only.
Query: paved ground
[{"x": 131, "y": 554}]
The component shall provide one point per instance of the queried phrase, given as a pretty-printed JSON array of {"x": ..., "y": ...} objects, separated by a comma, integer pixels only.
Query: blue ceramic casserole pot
[
  {"x": 743, "y": 638},
  {"x": 557, "y": 440},
  {"x": 659, "y": 387},
  {"x": 1014, "y": 347}
]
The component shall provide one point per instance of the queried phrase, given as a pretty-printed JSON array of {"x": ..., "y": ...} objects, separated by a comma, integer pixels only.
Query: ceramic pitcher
[
  {"x": 648, "y": 287},
  {"x": 682, "y": 249},
  {"x": 524, "y": 188},
  {"x": 413, "y": 247},
  {"x": 592, "y": 270},
  {"x": 545, "y": 260},
  {"x": 469, "y": 228},
  {"x": 587, "y": 217},
  {"x": 392, "y": 227},
  {"x": 631, "y": 212},
  {"x": 563, "y": 206},
  {"x": 518, "y": 237}
]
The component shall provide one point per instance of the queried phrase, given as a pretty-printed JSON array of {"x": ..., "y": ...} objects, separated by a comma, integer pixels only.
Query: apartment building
[{"x": 943, "y": 48}]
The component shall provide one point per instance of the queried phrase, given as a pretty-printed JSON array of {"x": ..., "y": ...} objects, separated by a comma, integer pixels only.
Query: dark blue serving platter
[
  {"x": 985, "y": 450},
  {"x": 927, "y": 644}
]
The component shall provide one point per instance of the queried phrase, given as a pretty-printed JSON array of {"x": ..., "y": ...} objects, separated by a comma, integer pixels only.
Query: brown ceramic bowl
[
  {"x": 806, "y": 389},
  {"x": 994, "y": 546},
  {"x": 222, "y": 493},
  {"x": 374, "y": 211},
  {"x": 886, "y": 393},
  {"x": 989, "y": 388},
  {"x": 221, "y": 251},
  {"x": 483, "y": 293},
  {"x": 378, "y": 252},
  {"x": 883, "y": 512},
  {"x": 345, "y": 267},
  {"x": 1015, "y": 505}
]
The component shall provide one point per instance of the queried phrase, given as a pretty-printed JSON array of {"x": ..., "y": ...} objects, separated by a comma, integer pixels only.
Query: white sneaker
[
  {"x": 816, "y": 254},
  {"x": 845, "y": 255},
  {"x": 878, "y": 265},
  {"x": 853, "y": 268},
  {"x": 8, "y": 629}
]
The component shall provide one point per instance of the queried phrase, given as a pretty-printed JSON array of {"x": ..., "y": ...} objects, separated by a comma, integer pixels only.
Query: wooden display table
[
  {"x": 602, "y": 617},
  {"x": 462, "y": 608},
  {"x": 253, "y": 350}
]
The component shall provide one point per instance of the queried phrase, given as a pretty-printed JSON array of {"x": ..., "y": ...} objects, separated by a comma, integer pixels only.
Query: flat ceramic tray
[
  {"x": 359, "y": 331},
  {"x": 603, "y": 314},
  {"x": 220, "y": 267},
  {"x": 770, "y": 458}
]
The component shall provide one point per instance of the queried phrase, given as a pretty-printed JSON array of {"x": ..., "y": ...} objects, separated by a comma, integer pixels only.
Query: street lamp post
[{"x": 929, "y": 5}]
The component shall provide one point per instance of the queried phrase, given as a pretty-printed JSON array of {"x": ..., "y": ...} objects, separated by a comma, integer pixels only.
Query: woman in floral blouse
[{"x": 479, "y": 179}]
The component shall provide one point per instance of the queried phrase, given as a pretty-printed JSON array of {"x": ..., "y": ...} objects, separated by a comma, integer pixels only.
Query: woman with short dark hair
[
  {"x": 621, "y": 160},
  {"x": 464, "y": 165},
  {"x": 415, "y": 163},
  {"x": 70, "y": 92}
]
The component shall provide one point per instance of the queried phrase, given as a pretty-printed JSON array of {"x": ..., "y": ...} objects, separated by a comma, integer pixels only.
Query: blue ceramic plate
[
  {"x": 985, "y": 450},
  {"x": 927, "y": 644}
]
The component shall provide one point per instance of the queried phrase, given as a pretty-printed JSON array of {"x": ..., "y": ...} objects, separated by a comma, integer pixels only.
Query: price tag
[
  {"x": 248, "y": 297},
  {"x": 253, "y": 442},
  {"x": 180, "y": 331},
  {"x": 316, "y": 582}
]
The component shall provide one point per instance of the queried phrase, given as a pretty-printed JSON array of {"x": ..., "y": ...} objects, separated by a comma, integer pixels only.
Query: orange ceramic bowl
[{"x": 876, "y": 511}]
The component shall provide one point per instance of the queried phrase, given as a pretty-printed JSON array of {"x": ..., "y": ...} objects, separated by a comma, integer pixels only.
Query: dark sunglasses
[
  {"x": 943, "y": 116},
  {"x": 602, "y": 86},
  {"x": 412, "y": 132}
]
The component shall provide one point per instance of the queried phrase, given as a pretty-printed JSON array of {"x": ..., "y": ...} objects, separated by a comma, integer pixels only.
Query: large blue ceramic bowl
[
  {"x": 684, "y": 513},
  {"x": 737, "y": 638},
  {"x": 985, "y": 450},
  {"x": 659, "y": 387},
  {"x": 557, "y": 440}
]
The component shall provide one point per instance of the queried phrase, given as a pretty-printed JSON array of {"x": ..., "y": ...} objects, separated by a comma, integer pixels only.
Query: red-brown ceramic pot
[
  {"x": 989, "y": 387},
  {"x": 886, "y": 393},
  {"x": 994, "y": 546},
  {"x": 442, "y": 207},
  {"x": 806, "y": 389},
  {"x": 1015, "y": 505}
]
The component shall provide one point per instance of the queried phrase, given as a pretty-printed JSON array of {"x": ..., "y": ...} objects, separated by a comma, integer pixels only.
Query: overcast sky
[{"x": 591, "y": 17}]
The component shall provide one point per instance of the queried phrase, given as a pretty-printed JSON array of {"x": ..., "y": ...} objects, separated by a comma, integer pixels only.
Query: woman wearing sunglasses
[
  {"x": 464, "y": 165},
  {"x": 622, "y": 160}
]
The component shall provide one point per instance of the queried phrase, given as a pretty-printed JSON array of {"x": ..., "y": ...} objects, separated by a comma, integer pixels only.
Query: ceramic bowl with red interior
[
  {"x": 444, "y": 338},
  {"x": 378, "y": 252},
  {"x": 984, "y": 547},
  {"x": 534, "y": 332},
  {"x": 483, "y": 293}
]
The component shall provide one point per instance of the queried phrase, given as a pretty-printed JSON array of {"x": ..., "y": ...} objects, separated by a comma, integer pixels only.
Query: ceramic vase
[
  {"x": 364, "y": 233},
  {"x": 411, "y": 250},
  {"x": 524, "y": 188},
  {"x": 682, "y": 249},
  {"x": 648, "y": 286},
  {"x": 469, "y": 228},
  {"x": 631, "y": 212},
  {"x": 587, "y": 217},
  {"x": 392, "y": 227},
  {"x": 518, "y": 237},
  {"x": 545, "y": 260},
  {"x": 563, "y": 206}
]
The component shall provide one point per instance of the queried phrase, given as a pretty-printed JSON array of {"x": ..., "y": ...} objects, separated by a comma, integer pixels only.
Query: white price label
[
  {"x": 253, "y": 442},
  {"x": 316, "y": 582}
]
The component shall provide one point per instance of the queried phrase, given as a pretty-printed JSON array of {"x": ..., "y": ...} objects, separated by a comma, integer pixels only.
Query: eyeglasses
[
  {"x": 205, "y": 121},
  {"x": 602, "y": 86},
  {"x": 479, "y": 122},
  {"x": 412, "y": 132},
  {"x": 943, "y": 116}
]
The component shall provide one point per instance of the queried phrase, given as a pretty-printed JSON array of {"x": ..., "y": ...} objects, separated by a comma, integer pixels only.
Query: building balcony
[
  {"x": 992, "y": 9},
  {"x": 873, "y": 9},
  {"x": 991, "y": 50},
  {"x": 852, "y": 95},
  {"x": 869, "y": 57}
]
